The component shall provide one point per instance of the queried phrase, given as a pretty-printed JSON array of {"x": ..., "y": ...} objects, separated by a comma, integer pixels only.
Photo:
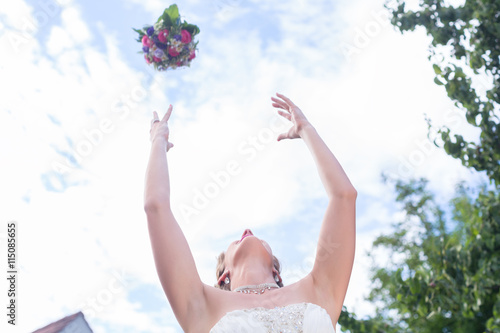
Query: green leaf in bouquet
[
  {"x": 173, "y": 12},
  {"x": 139, "y": 31},
  {"x": 193, "y": 29},
  {"x": 170, "y": 15},
  {"x": 167, "y": 22}
]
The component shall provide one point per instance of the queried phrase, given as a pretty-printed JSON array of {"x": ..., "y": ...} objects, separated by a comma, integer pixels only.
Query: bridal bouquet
[{"x": 168, "y": 43}]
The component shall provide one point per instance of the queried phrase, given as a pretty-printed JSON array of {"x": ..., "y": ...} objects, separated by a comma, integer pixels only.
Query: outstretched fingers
[
  {"x": 167, "y": 115},
  {"x": 285, "y": 115},
  {"x": 280, "y": 104},
  {"x": 286, "y": 107},
  {"x": 287, "y": 100},
  {"x": 155, "y": 116},
  {"x": 154, "y": 120}
]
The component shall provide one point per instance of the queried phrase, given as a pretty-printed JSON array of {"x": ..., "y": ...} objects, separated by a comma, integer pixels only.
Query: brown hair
[{"x": 219, "y": 270}]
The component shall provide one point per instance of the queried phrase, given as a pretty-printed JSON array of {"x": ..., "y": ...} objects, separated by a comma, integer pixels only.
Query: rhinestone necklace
[{"x": 256, "y": 289}]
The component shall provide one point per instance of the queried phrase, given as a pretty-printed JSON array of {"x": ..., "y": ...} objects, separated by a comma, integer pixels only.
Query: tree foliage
[
  {"x": 465, "y": 52},
  {"x": 442, "y": 280},
  {"x": 378, "y": 324},
  {"x": 443, "y": 273}
]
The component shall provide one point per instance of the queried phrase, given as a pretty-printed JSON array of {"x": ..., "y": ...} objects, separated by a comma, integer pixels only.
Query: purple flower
[
  {"x": 159, "y": 53},
  {"x": 151, "y": 31},
  {"x": 145, "y": 49},
  {"x": 159, "y": 44},
  {"x": 177, "y": 37}
]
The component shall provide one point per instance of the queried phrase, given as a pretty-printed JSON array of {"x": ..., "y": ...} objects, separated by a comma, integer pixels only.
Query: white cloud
[
  {"x": 60, "y": 245},
  {"x": 74, "y": 25},
  {"x": 59, "y": 40},
  {"x": 73, "y": 33},
  {"x": 14, "y": 13}
]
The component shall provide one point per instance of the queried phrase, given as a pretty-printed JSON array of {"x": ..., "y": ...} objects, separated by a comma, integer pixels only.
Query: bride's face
[{"x": 247, "y": 245}]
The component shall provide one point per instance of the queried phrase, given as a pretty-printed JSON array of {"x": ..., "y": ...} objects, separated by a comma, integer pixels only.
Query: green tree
[
  {"x": 444, "y": 269},
  {"x": 443, "y": 274},
  {"x": 377, "y": 324},
  {"x": 465, "y": 52},
  {"x": 441, "y": 280}
]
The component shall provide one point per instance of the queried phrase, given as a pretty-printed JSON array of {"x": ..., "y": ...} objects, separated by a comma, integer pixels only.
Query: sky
[{"x": 77, "y": 100}]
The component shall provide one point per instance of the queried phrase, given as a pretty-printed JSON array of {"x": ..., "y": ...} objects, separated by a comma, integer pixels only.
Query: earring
[
  {"x": 276, "y": 278},
  {"x": 226, "y": 281}
]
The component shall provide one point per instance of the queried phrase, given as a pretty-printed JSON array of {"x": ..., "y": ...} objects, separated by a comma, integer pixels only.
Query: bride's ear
[
  {"x": 276, "y": 275},
  {"x": 222, "y": 278}
]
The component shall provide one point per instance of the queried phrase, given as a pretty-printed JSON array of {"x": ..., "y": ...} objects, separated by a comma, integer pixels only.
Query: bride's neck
[{"x": 251, "y": 273}]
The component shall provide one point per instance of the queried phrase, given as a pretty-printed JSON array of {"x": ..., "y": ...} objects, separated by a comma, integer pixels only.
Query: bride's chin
[
  {"x": 249, "y": 241},
  {"x": 251, "y": 247},
  {"x": 259, "y": 244}
]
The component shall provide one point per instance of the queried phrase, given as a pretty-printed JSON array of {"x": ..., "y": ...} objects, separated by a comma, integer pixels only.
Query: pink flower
[
  {"x": 162, "y": 36},
  {"x": 156, "y": 59},
  {"x": 147, "y": 59},
  {"x": 192, "y": 55},
  {"x": 186, "y": 37},
  {"x": 146, "y": 41},
  {"x": 172, "y": 52}
]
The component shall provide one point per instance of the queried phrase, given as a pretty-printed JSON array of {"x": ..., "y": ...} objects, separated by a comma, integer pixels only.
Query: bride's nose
[{"x": 247, "y": 232}]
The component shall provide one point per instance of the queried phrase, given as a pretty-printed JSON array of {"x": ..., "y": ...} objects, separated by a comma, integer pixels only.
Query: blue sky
[{"x": 74, "y": 122}]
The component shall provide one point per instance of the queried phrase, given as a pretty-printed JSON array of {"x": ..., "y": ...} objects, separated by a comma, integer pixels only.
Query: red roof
[{"x": 57, "y": 326}]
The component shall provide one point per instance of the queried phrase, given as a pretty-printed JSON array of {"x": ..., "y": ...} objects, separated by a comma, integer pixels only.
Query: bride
[{"x": 250, "y": 296}]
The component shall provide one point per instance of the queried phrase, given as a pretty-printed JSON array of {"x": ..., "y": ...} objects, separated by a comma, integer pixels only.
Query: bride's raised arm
[
  {"x": 335, "y": 252},
  {"x": 173, "y": 258}
]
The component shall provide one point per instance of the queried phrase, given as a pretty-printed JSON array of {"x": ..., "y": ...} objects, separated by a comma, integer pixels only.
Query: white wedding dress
[{"x": 293, "y": 318}]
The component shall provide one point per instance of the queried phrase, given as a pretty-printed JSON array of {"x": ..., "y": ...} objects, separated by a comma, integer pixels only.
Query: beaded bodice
[{"x": 293, "y": 318}]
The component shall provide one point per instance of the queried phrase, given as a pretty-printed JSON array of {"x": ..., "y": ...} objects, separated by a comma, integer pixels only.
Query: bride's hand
[
  {"x": 159, "y": 128},
  {"x": 292, "y": 113}
]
